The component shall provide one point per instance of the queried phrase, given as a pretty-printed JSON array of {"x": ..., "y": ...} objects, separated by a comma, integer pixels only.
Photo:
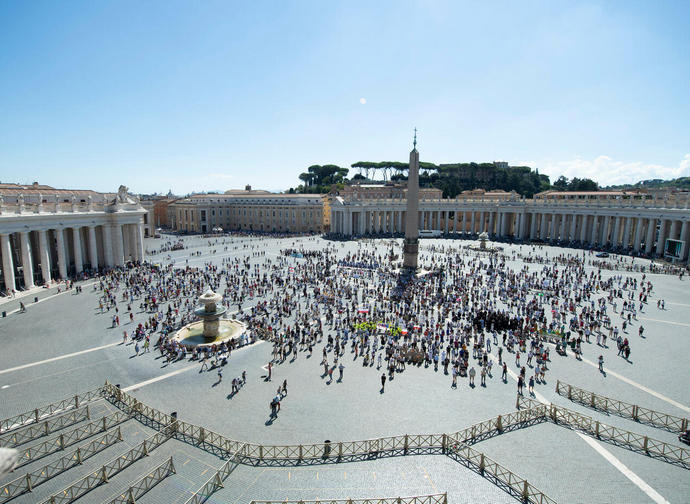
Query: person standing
[{"x": 383, "y": 382}]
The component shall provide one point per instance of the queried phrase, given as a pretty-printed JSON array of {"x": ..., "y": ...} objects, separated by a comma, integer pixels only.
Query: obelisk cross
[{"x": 414, "y": 143}]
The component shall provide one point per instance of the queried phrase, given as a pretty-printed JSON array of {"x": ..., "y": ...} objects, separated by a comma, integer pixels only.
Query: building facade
[
  {"x": 641, "y": 225},
  {"x": 248, "y": 210},
  {"x": 48, "y": 234}
]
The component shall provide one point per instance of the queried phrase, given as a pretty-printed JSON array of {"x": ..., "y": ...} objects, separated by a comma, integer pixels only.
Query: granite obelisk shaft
[{"x": 411, "y": 243}]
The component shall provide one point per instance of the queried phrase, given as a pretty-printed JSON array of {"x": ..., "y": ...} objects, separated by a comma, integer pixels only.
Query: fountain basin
[{"x": 192, "y": 335}]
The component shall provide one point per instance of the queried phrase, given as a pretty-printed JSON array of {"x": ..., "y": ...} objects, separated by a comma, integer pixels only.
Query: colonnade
[
  {"x": 35, "y": 256},
  {"x": 641, "y": 230}
]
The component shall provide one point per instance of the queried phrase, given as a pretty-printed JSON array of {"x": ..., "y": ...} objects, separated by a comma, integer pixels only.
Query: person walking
[
  {"x": 473, "y": 372},
  {"x": 504, "y": 374},
  {"x": 341, "y": 367},
  {"x": 383, "y": 382}
]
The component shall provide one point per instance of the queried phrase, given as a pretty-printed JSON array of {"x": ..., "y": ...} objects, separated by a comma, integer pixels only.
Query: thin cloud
[{"x": 607, "y": 171}]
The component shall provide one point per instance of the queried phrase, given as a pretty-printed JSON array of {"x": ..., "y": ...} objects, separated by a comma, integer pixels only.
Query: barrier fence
[
  {"x": 631, "y": 440},
  {"x": 145, "y": 484},
  {"x": 107, "y": 471},
  {"x": 70, "y": 438},
  {"x": 32, "y": 479},
  {"x": 516, "y": 485},
  {"x": 214, "y": 483},
  {"x": 38, "y": 414},
  {"x": 626, "y": 410},
  {"x": 32, "y": 432},
  {"x": 454, "y": 445},
  {"x": 417, "y": 499}
]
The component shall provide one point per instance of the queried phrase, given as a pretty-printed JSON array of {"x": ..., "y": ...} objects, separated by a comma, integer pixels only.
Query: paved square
[{"x": 65, "y": 344}]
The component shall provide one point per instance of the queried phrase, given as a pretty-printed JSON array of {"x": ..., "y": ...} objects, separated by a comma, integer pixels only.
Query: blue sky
[{"x": 188, "y": 95}]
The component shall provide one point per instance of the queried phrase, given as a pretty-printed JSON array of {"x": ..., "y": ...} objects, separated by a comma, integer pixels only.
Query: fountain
[
  {"x": 483, "y": 237},
  {"x": 211, "y": 329}
]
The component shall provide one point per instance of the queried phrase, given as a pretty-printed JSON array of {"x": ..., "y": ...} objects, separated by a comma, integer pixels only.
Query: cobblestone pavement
[{"x": 63, "y": 345}]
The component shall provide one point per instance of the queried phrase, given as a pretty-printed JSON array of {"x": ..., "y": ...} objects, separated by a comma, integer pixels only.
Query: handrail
[
  {"x": 146, "y": 483},
  {"x": 440, "y": 498},
  {"x": 213, "y": 483},
  {"x": 628, "y": 439},
  {"x": 38, "y": 414},
  {"x": 623, "y": 409}
]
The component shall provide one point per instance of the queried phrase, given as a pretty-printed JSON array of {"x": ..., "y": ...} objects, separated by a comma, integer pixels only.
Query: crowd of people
[{"x": 466, "y": 312}]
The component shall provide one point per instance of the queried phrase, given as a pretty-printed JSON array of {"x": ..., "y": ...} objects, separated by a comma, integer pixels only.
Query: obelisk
[{"x": 411, "y": 243}]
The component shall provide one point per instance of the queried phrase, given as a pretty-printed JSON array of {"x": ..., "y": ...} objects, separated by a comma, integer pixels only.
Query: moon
[{"x": 363, "y": 101}]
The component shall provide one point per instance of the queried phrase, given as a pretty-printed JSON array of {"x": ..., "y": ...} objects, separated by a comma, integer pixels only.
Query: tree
[{"x": 561, "y": 184}]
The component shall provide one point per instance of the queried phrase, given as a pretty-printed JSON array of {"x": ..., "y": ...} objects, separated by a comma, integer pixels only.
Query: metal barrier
[
  {"x": 145, "y": 484},
  {"x": 454, "y": 445},
  {"x": 214, "y": 483},
  {"x": 69, "y": 438},
  {"x": 620, "y": 437},
  {"x": 626, "y": 410},
  {"x": 107, "y": 471},
  {"x": 32, "y": 432},
  {"x": 38, "y": 414},
  {"x": 417, "y": 499},
  {"x": 487, "y": 467},
  {"x": 27, "y": 482}
]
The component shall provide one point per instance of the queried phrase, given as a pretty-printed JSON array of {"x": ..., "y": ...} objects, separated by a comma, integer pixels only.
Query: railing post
[
  {"x": 570, "y": 392},
  {"x": 202, "y": 434},
  {"x": 646, "y": 440},
  {"x": 525, "y": 493},
  {"x": 130, "y": 498},
  {"x": 406, "y": 445},
  {"x": 61, "y": 441},
  {"x": 340, "y": 450},
  {"x": 261, "y": 452},
  {"x": 300, "y": 452},
  {"x": 445, "y": 498},
  {"x": 596, "y": 428},
  {"x": 88, "y": 413},
  {"x": 105, "y": 425},
  {"x": 591, "y": 401},
  {"x": 79, "y": 456},
  {"x": 104, "y": 475},
  {"x": 28, "y": 482},
  {"x": 684, "y": 425},
  {"x": 36, "y": 415},
  {"x": 499, "y": 423},
  {"x": 554, "y": 418},
  {"x": 76, "y": 402},
  {"x": 145, "y": 447},
  {"x": 482, "y": 463},
  {"x": 444, "y": 444},
  {"x": 634, "y": 413}
]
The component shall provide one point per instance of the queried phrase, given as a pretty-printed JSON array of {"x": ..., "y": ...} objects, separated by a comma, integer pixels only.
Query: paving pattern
[{"x": 556, "y": 460}]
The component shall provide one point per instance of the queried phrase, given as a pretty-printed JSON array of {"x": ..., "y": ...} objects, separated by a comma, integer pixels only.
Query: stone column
[
  {"x": 583, "y": 228},
  {"x": 93, "y": 248},
  {"x": 638, "y": 235},
  {"x": 683, "y": 233},
  {"x": 361, "y": 221},
  {"x": 563, "y": 230},
  {"x": 533, "y": 226},
  {"x": 45, "y": 257},
  {"x": 674, "y": 230},
  {"x": 481, "y": 223},
  {"x": 552, "y": 228},
  {"x": 617, "y": 232},
  {"x": 661, "y": 241},
  {"x": 502, "y": 224},
  {"x": 605, "y": 231},
  {"x": 649, "y": 241},
  {"x": 573, "y": 227},
  {"x": 108, "y": 245},
  {"x": 445, "y": 220},
  {"x": 7, "y": 262},
  {"x": 118, "y": 246},
  {"x": 593, "y": 238},
  {"x": 455, "y": 222},
  {"x": 492, "y": 219},
  {"x": 27, "y": 262},
  {"x": 542, "y": 228},
  {"x": 78, "y": 263},
  {"x": 626, "y": 233},
  {"x": 140, "y": 241},
  {"x": 60, "y": 245}
]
